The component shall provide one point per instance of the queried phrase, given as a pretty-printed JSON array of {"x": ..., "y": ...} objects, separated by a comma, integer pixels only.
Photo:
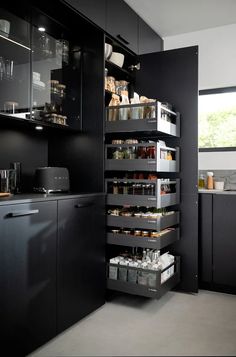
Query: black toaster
[{"x": 51, "y": 179}]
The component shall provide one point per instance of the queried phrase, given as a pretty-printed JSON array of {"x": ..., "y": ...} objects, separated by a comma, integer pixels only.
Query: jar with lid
[
  {"x": 123, "y": 88},
  {"x": 111, "y": 84},
  {"x": 105, "y": 79},
  {"x": 115, "y": 188},
  {"x": 61, "y": 90},
  {"x": 54, "y": 86}
]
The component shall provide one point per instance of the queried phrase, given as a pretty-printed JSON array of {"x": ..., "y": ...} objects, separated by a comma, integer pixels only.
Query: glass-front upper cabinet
[
  {"x": 15, "y": 54},
  {"x": 56, "y": 73},
  {"x": 40, "y": 70}
]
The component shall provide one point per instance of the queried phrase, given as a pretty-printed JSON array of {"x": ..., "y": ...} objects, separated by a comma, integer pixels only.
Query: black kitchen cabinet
[
  {"x": 148, "y": 40},
  {"x": 81, "y": 258},
  {"x": 224, "y": 243},
  {"x": 122, "y": 23},
  {"x": 217, "y": 243},
  {"x": 27, "y": 275},
  {"x": 94, "y": 10}
]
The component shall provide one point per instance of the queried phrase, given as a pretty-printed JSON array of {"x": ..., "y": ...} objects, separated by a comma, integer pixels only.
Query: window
[{"x": 217, "y": 119}]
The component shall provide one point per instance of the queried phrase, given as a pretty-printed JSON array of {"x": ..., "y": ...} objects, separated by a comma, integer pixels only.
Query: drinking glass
[
  {"x": 2, "y": 68},
  {"x": 9, "y": 69}
]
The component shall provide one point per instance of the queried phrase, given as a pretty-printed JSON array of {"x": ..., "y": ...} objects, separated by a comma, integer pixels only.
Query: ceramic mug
[{"x": 5, "y": 27}]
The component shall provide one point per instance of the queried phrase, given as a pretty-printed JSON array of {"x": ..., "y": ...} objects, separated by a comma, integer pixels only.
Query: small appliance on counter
[{"x": 51, "y": 179}]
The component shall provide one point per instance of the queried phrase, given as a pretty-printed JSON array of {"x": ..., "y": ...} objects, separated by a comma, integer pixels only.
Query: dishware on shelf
[
  {"x": 4, "y": 27},
  {"x": 9, "y": 65},
  {"x": 108, "y": 51},
  {"x": 10, "y": 107},
  {"x": 117, "y": 58}
]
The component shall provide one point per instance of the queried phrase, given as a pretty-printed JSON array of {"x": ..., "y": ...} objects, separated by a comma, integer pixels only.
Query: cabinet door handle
[
  {"x": 122, "y": 39},
  {"x": 81, "y": 205},
  {"x": 23, "y": 213}
]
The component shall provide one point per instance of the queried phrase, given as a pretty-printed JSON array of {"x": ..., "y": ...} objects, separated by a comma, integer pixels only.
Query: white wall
[{"x": 217, "y": 68}]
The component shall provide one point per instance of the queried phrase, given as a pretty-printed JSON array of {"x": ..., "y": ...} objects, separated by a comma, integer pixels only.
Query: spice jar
[
  {"x": 145, "y": 234},
  {"x": 137, "y": 233}
]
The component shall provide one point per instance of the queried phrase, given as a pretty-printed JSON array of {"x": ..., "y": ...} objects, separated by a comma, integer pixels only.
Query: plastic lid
[{"x": 209, "y": 173}]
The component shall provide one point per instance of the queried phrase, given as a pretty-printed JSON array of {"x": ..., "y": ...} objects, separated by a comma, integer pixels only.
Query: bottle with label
[{"x": 210, "y": 180}]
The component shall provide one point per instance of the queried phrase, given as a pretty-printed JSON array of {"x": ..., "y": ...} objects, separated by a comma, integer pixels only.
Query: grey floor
[{"x": 176, "y": 325}]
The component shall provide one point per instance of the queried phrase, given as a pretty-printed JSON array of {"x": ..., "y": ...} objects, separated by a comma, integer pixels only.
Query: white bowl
[
  {"x": 108, "y": 50},
  {"x": 117, "y": 58}
]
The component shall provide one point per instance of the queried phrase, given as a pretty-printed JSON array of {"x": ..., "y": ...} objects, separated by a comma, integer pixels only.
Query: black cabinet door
[
  {"x": 81, "y": 258},
  {"x": 148, "y": 40},
  {"x": 94, "y": 10},
  {"x": 122, "y": 23},
  {"x": 27, "y": 275},
  {"x": 224, "y": 242}
]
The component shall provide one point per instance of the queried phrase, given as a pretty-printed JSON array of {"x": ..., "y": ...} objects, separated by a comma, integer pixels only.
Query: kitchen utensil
[{"x": 117, "y": 58}]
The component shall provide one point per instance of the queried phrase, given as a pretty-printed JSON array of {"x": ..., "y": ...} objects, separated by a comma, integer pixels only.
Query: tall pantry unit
[{"x": 169, "y": 76}]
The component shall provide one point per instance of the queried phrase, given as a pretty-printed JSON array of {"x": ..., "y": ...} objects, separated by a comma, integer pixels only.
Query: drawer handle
[
  {"x": 122, "y": 39},
  {"x": 151, "y": 222},
  {"x": 151, "y": 121},
  {"x": 151, "y": 162},
  {"x": 151, "y": 199},
  {"x": 81, "y": 205},
  {"x": 23, "y": 213}
]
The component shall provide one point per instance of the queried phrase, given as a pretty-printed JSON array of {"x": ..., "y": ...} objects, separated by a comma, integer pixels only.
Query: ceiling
[{"x": 173, "y": 17}]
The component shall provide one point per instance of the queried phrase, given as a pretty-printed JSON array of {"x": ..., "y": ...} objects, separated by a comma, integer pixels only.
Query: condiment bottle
[{"x": 210, "y": 181}]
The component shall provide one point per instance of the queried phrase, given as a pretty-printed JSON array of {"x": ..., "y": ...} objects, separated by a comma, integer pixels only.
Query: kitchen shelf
[
  {"x": 158, "y": 224},
  {"x": 157, "y": 164},
  {"x": 19, "y": 119},
  {"x": 117, "y": 72},
  {"x": 158, "y": 200},
  {"x": 153, "y": 124},
  {"x": 129, "y": 240},
  {"x": 142, "y": 290}
]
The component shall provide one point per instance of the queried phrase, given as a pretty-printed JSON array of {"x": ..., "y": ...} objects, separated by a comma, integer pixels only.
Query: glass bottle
[{"x": 201, "y": 181}]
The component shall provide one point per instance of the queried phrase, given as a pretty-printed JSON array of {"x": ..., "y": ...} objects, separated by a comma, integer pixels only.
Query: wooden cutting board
[{"x": 4, "y": 194}]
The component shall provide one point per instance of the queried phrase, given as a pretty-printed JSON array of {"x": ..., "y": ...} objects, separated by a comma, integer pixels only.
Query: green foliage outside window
[{"x": 217, "y": 128}]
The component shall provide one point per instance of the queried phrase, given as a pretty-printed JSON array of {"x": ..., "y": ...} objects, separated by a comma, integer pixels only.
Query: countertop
[
  {"x": 39, "y": 197},
  {"x": 217, "y": 192}
]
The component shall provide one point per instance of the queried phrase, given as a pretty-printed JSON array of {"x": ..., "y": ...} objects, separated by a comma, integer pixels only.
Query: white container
[
  {"x": 5, "y": 27},
  {"x": 117, "y": 58},
  {"x": 219, "y": 185},
  {"x": 108, "y": 50}
]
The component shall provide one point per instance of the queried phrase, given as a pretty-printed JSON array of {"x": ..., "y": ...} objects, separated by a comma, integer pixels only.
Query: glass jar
[
  {"x": 111, "y": 84},
  {"x": 105, "y": 79},
  {"x": 54, "y": 86},
  {"x": 123, "y": 88},
  {"x": 61, "y": 90}
]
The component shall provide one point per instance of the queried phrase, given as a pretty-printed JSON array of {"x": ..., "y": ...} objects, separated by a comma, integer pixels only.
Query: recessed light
[
  {"x": 39, "y": 127},
  {"x": 41, "y": 29}
]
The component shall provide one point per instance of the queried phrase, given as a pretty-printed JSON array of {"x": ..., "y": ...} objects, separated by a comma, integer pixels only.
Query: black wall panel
[
  {"x": 172, "y": 76},
  {"x": 28, "y": 147}
]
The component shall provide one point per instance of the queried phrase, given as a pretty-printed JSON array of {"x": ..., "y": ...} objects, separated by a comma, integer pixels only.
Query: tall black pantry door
[{"x": 172, "y": 76}]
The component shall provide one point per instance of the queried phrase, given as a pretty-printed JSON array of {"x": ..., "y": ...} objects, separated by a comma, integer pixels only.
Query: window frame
[{"x": 217, "y": 91}]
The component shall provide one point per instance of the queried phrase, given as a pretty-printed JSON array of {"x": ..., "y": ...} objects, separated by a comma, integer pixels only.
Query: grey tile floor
[{"x": 176, "y": 325}]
